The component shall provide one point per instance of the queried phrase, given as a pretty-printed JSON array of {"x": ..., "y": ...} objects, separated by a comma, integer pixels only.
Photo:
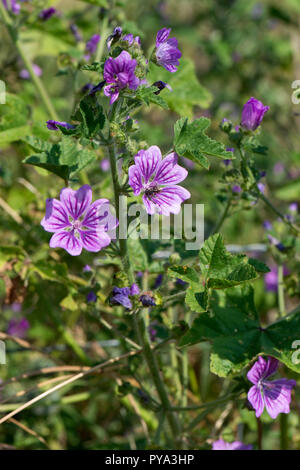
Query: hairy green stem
[
  {"x": 101, "y": 43},
  {"x": 223, "y": 217},
  {"x": 35, "y": 79},
  {"x": 140, "y": 320}
]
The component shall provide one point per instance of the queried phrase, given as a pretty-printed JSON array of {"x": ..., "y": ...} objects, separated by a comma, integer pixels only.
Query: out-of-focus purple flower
[
  {"x": 253, "y": 113},
  {"x": 105, "y": 164},
  {"x": 277, "y": 243},
  {"x": 47, "y": 13},
  {"x": 16, "y": 307},
  {"x": 87, "y": 268},
  {"x": 167, "y": 52},
  {"x": 257, "y": 11},
  {"x": 293, "y": 207},
  {"x": 18, "y": 327},
  {"x": 236, "y": 189},
  {"x": 262, "y": 174},
  {"x": 157, "y": 179},
  {"x": 161, "y": 85},
  {"x": 120, "y": 295},
  {"x": 147, "y": 300},
  {"x": 180, "y": 282},
  {"x": 114, "y": 37},
  {"x": 91, "y": 46},
  {"x": 261, "y": 187},
  {"x": 91, "y": 297},
  {"x": 275, "y": 395},
  {"x": 158, "y": 281},
  {"x": 14, "y": 6},
  {"x": 152, "y": 332},
  {"x": 52, "y": 125},
  {"x": 189, "y": 164},
  {"x": 236, "y": 57},
  {"x": 78, "y": 223},
  {"x": 278, "y": 168},
  {"x": 97, "y": 88},
  {"x": 75, "y": 31},
  {"x": 134, "y": 289},
  {"x": 26, "y": 75},
  {"x": 236, "y": 445},
  {"x": 267, "y": 225},
  {"x": 119, "y": 74},
  {"x": 271, "y": 278},
  {"x": 139, "y": 274},
  {"x": 227, "y": 162}
]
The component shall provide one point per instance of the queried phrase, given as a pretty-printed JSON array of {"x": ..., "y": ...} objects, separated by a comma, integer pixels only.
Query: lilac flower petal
[
  {"x": 262, "y": 369},
  {"x": 277, "y": 396},
  {"x": 76, "y": 202},
  {"x": 121, "y": 290},
  {"x": 97, "y": 212},
  {"x": 169, "y": 199},
  {"x": 256, "y": 400},
  {"x": 134, "y": 289},
  {"x": 169, "y": 172},
  {"x": 94, "y": 240},
  {"x": 123, "y": 300},
  {"x": 147, "y": 162},
  {"x": 162, "y": 36},
  {"x": 91, "y": 297},
  {"x": 68, "y": 241},
  {"x": 56, "y": 217},
  {"x": 135, "y": 179}
]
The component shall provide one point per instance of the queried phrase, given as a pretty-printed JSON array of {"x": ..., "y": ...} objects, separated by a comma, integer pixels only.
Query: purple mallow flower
[
  {"x": 253, "y": 113},
  {"x": 275, "y": 395},
  {"x": 47, "y": 13},
  {"x": 236, "y": 189},
  {"x": 167, "y": 52},
  {"x": 161, "y": 85},
  {"x": 87, "y": 268},
  {"x": 131, "y": 39},
  {"x": 157, "y": 179},
  {"x": 18, "y": 327},
  {"x": 236, "y": 445},
  {"x": 120, "y": 295},
  {"x": 114, "y": 37},
  {"x": 52, "y": 125},
  {"x": 91, "y": 297},
  {"x": 77, "y": 222},
  {"x": 91, "y": 46},
  {"x": 267, "y": 225},
  {"x": 293, "y": 207},
  {"x": 36, "y": 69},
  {"x": 147, "y": 300},
  {"x": 105, "y": 164},
  {"x": 75, "y": 31},
  {"x": 119, "y": 74}
]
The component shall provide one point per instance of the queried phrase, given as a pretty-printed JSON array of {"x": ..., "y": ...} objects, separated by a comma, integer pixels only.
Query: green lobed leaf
[
  {"x": 63, "y": 159},
  {"x": 187, "y": 90},
  {"x": 233, "y": 328},
  {"x": 220, "y": 268},
  {"x": 148, "y": 96},
  {"x": 190, "y": 141}
]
